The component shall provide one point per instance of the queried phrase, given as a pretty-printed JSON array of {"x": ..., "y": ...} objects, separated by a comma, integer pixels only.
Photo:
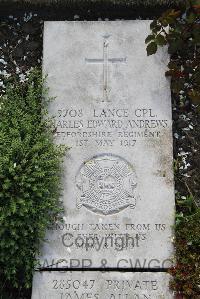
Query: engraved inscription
[
  {"x": 108, "y": 127},
  {"x": 106, "y": 185},
  {"x": 105, "y": 61}
]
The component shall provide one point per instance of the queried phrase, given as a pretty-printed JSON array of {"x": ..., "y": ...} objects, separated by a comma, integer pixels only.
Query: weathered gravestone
[{"x": 113, "y": 109}]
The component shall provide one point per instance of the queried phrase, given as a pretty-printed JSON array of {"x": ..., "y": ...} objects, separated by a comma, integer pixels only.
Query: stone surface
[
  {"x": 101, "y": 285},
  {"x": 113, "y": 109}
]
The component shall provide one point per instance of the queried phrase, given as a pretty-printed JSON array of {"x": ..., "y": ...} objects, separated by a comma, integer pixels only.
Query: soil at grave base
[{"x": 21, "y": 49}]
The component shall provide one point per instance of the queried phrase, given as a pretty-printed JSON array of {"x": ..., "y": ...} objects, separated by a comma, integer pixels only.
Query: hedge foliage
[
  {"x": 150, "y": 3},
  {"x": 183, "y": 40},
  {"x": 186, "y": 273},
  {"x": 30, "y": 178}
]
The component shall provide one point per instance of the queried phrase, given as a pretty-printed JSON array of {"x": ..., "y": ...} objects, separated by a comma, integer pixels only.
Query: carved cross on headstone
[{"x": 105, "y": 61}]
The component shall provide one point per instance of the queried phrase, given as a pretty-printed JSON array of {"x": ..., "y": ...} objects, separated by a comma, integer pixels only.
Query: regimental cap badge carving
[{"x": 106, "y": 185}]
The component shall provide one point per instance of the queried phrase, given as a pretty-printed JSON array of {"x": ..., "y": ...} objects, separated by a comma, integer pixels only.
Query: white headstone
[
  {"x": 101, "y": 285},
  {"x": 113, "y": 109}
]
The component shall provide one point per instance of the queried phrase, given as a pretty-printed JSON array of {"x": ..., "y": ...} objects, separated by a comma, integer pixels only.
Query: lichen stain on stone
[{"x": 165, "y": 155}]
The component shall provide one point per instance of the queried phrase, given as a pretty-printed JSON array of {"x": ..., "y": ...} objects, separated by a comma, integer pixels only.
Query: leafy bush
[
  {"x": 30, "y": 184},
  {"x": 180, "y": 31},
  {"x": 186, "y": 273},
  {"x": 71, "y": 2}
]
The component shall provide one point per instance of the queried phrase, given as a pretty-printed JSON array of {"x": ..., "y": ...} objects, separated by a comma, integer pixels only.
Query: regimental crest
[{"x": 106, "y": 185}]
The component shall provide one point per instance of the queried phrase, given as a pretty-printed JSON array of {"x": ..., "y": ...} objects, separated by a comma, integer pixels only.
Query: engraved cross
[{"x": 105, "y": 61}]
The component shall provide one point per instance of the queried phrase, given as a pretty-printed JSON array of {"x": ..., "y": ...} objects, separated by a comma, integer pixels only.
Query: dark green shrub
[
  {"x": 180, "y": 31},
  {"x": 186, "y": 273},
  {"x": 84, "y": 2},
  {"x": 30, "y": 185}
]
